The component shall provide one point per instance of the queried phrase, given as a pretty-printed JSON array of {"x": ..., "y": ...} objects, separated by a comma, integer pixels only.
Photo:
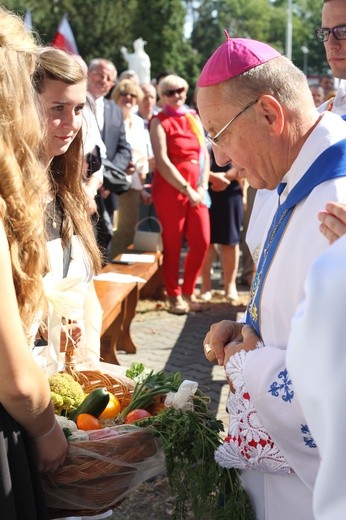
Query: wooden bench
[{"x": 119, "y": 300}]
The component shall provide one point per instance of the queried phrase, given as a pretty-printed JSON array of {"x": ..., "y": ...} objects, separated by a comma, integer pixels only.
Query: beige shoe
[
  {"x": 192, "y": 302},
  {"x": 206, "y": 296},
  {"x": 176, "y": 305}
]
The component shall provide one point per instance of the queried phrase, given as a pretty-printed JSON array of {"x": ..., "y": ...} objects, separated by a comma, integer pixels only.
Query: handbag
[
  {"x": 148, "y": 240},
  {"x": 114, "y": 178}
]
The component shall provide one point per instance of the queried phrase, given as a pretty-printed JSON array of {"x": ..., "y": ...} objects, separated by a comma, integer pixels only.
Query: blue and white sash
[{"x": 329, "y": 165}]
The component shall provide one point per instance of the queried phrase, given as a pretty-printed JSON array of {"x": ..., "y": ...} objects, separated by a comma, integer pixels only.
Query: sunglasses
[
  {"x": 339, "y": 33},
  {"x": 173, "y": 91},
  {"x": 125, "y": 94}
]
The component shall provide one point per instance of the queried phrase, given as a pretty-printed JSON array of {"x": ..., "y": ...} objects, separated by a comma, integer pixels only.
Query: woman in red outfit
[{"x": 179, "y": 188}]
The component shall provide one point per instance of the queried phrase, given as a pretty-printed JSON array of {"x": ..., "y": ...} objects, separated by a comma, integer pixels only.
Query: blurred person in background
[
  {"x": 180, "y": 184},
  {"x": 146, "y": 110},
  {"x": 127, "y": 94},
  {"x": 318, "y": 94},
  {"x": 226, "y": 215},
  {"x": 102, "y": 76}
]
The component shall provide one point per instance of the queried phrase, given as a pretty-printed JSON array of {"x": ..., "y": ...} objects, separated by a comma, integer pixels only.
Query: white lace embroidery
[{"x": 247, "y": 445}]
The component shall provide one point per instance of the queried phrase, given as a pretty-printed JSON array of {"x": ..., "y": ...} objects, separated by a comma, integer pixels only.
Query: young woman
[
  {"x": 74, "y": 256},
  {"x": 30, "y": 438}
]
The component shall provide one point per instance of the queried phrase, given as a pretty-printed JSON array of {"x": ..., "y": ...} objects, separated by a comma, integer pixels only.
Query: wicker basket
[
  {"x": 92, "y": 379},
  {"x": 98, "y": 474}
]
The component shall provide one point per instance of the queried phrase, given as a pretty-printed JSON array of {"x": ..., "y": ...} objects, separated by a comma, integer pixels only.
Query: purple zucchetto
[{"x": 232, "y": 58}]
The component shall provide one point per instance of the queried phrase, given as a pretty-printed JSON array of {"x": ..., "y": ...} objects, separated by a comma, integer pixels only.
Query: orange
[
  {"x": 112, "y": 409},
  {"x": 86, "y": 421}
]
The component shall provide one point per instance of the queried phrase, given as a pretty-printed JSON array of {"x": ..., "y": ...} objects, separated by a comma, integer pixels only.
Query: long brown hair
[
  {"x": 66, "y": 170},
  {"x": 22, "y": 177}
]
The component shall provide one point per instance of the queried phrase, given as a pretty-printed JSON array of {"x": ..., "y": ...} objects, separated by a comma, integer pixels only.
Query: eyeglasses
[
  {"x": 125, "y": 94},
  {"x": 339, "y": 33},
  {"x": 173, "y": 91},
  {"x": 215, "y": 140}
]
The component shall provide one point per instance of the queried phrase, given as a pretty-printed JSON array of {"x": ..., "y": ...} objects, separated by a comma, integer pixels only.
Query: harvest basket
[
  {"x": 92, "y": 379},
  {"x": 97, "y": 474}
]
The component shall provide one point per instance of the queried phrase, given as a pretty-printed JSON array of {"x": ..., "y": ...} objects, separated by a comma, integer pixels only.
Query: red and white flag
[{"x": 64, "y": 39}]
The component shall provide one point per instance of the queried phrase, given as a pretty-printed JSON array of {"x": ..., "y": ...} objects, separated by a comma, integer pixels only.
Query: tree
[
  {"x": 263, "y": 20},
  {"x": 102, "y": 27},
  {"x": 161, "y": 24}
]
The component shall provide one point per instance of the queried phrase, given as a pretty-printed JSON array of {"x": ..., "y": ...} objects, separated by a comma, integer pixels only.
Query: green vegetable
[
  {"x": 137, "y": 372},
  {"x": 94, "y": 403},
  {"x": 66, "y": 393},
  {"x": 190, "y": 439},
  {"x": 153, "y": 385}
]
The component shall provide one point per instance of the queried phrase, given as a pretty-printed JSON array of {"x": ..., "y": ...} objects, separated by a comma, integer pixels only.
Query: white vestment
[
  {"x": 316, "y": 359},
  {"x": 268, "y": 432}
]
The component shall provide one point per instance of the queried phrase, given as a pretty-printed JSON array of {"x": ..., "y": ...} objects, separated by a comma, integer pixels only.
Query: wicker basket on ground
[{"x": 98, "y": 473}]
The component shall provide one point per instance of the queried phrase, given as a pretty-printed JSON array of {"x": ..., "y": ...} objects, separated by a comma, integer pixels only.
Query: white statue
[{"x": 139, "y": 61}]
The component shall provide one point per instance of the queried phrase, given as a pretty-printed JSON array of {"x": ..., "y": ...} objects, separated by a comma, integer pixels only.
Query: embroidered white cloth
[{"x": 248, "y": 444}]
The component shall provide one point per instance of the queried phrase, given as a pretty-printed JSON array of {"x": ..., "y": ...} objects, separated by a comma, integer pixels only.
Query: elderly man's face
[
  {"x": 101, "y": 79},
  {"x": 334, "y": 14},
  {"x": 244, "y": 142}
]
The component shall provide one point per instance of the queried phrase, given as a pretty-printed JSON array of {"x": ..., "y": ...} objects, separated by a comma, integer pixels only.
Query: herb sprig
[{"x": 189, "y": 440}]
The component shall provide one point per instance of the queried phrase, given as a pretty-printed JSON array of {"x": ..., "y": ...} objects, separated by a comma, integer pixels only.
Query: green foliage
[
  {"x": 262, "y": 20},
  {"x": 199, "y": 484},
  {"x": 189, "y": 440},
  {"x": 102, "y": 27}
]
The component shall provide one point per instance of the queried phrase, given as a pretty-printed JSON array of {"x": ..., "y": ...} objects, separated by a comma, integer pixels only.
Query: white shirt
[
  {"x": 100, "y": 112},
  {"x": 137, "y": 137}
]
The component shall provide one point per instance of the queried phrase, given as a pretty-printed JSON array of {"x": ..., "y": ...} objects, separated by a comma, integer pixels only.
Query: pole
[{"x": 289, "y": 30}]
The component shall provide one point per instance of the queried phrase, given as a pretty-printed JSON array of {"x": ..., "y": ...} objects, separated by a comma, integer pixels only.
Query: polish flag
[{"x": 64, "y": 39}]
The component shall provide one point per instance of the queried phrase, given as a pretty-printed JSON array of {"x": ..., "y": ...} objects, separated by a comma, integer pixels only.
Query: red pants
[{"x": 179, "y": 219}]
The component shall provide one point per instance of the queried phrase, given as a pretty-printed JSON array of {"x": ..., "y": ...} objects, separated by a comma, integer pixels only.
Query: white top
[
  {"x": 261, "y": 374},
  {"x": 316, "y": 359},
  {"x": 92, "y": 137},
  {"x": 75, "y": 298},
  {"x": 137, "y": 137}
]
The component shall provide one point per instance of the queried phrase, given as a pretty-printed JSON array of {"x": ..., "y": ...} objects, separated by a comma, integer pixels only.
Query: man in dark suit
[{"x": 101, "y": 78}]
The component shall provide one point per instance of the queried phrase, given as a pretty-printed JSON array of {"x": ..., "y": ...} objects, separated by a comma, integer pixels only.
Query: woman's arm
[
  {"x": 164, "y": 165},
  {"x": 24, "y": 388}
]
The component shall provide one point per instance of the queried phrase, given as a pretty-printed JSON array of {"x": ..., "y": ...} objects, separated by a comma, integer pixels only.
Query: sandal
[
  {"x": 192, "y": 302},
  {"x": 176, "y": 305}
]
